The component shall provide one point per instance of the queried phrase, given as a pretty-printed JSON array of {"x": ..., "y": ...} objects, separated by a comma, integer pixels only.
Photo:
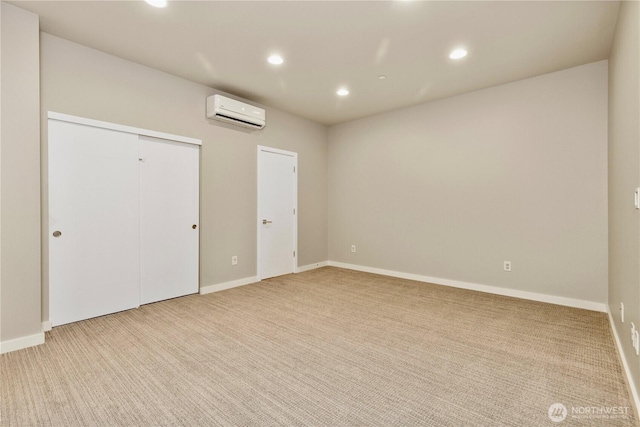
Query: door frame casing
[{"x": 294, "y": 155}]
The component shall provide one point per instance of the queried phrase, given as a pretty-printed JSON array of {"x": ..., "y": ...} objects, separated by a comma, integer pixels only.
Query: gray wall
[
  {"x": 451, "y": 189},
  {"x": 84, "y": 82},
  {"x": 20, "y": 176},
  {"x": 624, "y": 177}
]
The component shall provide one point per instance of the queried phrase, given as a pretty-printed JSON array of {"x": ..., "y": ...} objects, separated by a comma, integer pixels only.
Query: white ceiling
[{"x": 328, "y": 44}]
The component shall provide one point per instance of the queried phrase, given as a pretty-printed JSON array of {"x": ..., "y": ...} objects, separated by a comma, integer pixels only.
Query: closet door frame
[
  {"x": 138, "y": 132},
  {"x": 122, "y": 128}
]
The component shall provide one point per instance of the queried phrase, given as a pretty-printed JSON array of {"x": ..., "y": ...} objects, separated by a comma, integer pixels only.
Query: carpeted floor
[{"x": 328, "y": 347}]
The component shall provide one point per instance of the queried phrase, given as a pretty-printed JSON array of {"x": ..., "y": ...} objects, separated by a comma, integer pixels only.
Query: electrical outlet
[
  {"x": 622, "y": 312},
  {"x": 234, "y": 260},
  {"x": 507, "y": 266},
  {"x": 353, "y": 248}
]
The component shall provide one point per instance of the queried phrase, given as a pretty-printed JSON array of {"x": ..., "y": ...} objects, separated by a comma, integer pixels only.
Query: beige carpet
[{"x": 329, "y": 347}]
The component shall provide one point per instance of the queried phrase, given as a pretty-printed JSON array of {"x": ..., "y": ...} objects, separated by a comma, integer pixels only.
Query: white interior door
[
  {"x": 93, "y": 222},
  {"x": 277, "y": 200},
  {"x": 169, "y": 219}
]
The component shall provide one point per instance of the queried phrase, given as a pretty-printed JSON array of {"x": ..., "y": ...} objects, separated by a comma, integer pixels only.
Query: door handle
[
  {"x": 266, "y": 221},
  {"x": 57, "y": 233}
]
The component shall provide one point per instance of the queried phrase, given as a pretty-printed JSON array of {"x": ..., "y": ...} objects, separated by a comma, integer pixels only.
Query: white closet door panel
[
  {"x": 169, "y": 208},
  {"x": 93, "y": 201}
]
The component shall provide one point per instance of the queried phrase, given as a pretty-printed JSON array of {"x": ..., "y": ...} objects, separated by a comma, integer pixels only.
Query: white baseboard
[
  {"x": 228, "y": 285},
  {"x": 46, "y": 326},
  {"x": 20, "y": 343},
  {"x": 312, "y": 266},
  {"x": 249, "y": 280},
  {"x": 627, "y": 371},
  {"x": 552, "y": 299}
]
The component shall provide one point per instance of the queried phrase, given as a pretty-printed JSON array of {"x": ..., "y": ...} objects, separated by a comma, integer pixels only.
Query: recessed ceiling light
[
  {"x": 458, "y": 53},
  {"x": 342, "y": 92},
  {"x": 157, "y": 3},
  {"x": 275, "y": 59},
  {"x": 382, "y": 77}
]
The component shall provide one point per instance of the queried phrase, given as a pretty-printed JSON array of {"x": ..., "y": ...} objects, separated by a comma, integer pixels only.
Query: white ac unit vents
[{"x": 238, "y": 113}]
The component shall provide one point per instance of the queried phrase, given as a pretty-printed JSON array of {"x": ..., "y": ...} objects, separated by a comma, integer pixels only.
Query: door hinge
[
  {"x": 294, "y": 211},
  {"x": 294, "y": 169},
  {"x": 294, "y": 254}
]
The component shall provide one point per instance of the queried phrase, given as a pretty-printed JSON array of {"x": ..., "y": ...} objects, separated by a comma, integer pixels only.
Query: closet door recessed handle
[
  {"x": 57, "y": 233},
  {"x": 194, "y": 226}
]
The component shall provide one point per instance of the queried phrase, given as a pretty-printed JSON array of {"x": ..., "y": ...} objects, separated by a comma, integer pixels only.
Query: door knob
[
  {"x": 57, "y": 233},
  {"x": 266, "y": 221},
  {"x": 194, "y": 226}
]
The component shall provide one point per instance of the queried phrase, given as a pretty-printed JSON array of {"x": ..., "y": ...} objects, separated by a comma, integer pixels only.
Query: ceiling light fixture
[
  {"x": 382, "y": 77},
  {"x": 342, "y": 92},
  {"x": 157, "y": 3},
  {"x": 458, "y": 53},
  {"x": 275, "y": 59}
]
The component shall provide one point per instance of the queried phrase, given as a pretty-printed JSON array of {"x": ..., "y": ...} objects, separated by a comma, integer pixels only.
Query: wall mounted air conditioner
[{"x": 238, "y": 113}]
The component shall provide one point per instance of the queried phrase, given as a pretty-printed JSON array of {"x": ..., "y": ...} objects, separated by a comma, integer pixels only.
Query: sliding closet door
[
  {"x": 169, "y": 219},
  {"x": 93, "y": 222}
]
